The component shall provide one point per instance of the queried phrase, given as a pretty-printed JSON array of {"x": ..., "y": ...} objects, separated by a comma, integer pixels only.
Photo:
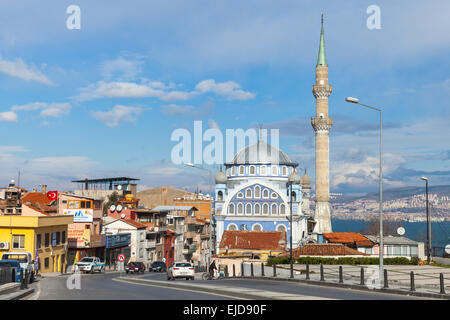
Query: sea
[{"x": 440, "y": 231}]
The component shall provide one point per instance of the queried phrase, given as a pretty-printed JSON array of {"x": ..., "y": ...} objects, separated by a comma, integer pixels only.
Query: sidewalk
[{"x": 426, "y": 278}]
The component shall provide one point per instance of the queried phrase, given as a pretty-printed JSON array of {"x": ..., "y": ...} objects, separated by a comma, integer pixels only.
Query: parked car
[
  {"x": 90, "y": 264},
  {"x": 158, "y": 266},
  {"x": 15, "y": 266},
  {"x": 25, "y": 259},
  {"x": 180, "y": 270},
  {"x": 135, "y": 267}
]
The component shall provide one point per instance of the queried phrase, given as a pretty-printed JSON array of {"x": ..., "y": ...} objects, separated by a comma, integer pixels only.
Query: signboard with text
[
  {"x": 118, "y": 240},
  {"x": 80, "y": 215}
]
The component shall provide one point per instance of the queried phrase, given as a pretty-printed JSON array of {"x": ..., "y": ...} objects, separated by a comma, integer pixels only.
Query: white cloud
[
  {"x": 117, "y": 114},
  {"x": 53, "y": 109},
  {"x": 122, "y": 67},
  {"x": 229, "y": 89},
  {"x": 19, "y": 69},
  {"x": 12, "y": 149},
  {"x": 8, "y": 116}
]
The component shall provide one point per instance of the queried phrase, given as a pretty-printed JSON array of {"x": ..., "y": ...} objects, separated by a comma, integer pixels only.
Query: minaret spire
[{"x": 322, "y": 59}]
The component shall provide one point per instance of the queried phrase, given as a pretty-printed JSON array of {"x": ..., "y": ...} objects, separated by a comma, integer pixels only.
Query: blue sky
[{"x": 103, "y": 100}]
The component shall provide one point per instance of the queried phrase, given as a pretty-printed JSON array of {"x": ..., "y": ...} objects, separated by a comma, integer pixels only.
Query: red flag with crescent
[{"x": 52, "y": 195}]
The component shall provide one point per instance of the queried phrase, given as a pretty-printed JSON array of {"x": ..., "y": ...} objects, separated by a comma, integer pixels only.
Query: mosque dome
[
  {"x": 221, "y": 178},
  {"x": 261, "y": 153}
]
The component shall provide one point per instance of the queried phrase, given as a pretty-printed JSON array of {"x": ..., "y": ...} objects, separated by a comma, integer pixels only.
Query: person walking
[{"x": 212, "y": 267}]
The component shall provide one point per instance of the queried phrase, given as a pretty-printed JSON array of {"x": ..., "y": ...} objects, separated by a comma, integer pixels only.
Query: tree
[
  {"x": 113, "y": 199},
  {"x": 389, "y": 227}
]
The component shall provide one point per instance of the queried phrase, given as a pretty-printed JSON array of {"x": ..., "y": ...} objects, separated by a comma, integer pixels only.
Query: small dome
[
  {"x": 306, "y": 180},
  {"x": 294, "y": 178},
  {"x": 221, "y": 178}
]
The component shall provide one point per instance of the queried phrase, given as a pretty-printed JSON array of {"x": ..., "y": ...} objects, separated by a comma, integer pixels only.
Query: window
[
  {"x": 38, "y": 241},
  {"x": 265, "y": 208},
  {"x": 257, "y": 227},
  {"x": 257, "y": 192},
  {"x": 413, "y": 251},
  {"x": 232, "y": 227},
  {"x": 284, "y": 171},
  {"x": 18, "y": 241},
  {"x": 58, "y": 238},
  {"x": 281, "y": 227},
  {"x": 274, "y": 209},
  {"x": 63, "y": 237},
  {"x": 248, "y": 193},
  {"x": 53, "y": 239},
  {"x": 241, "y": 170},
  {"x": 274, "y": 195},
  {"x": 266, "y": 193},
  {"x": 240, "y": 195},
  {"x": 220, "y": 196},
  {"x": 274, "y": 170},
  {"x": 248, "y": 209},
  {"x": 294, "y": 196},
  {"x": 141, "y": 253},
  {"x": 252, "y": 169},
  {"x": 257, "y": 209},
  {"x": 231, "y": 208},
  {"x": 228, "y": 172},
  {"x": 46, "y": 263},
  {"x": 282, "y": 209},
  {"x": 240, "y": 208},
  {"x": 47, "y": 240},
  {"x": 263, "y": 170},
  {"x": 233, "y": 171}
]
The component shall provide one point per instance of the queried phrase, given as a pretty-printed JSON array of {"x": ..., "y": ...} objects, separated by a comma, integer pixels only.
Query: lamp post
[
  {"x": 293, "y": 178},
  {"x": 428, "y": 222},
  {"x": 356, "y": 101},
  {"x": 210, "y": 206}
]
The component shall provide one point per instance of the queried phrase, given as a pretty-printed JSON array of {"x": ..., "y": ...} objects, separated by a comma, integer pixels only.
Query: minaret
[{"x": 322, "y": 125}]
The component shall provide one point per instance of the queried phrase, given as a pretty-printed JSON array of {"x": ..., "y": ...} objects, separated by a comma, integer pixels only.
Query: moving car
[
  {"x": 135, "y": 267},
  {"x": 158, "y": 266},
  {"x": 25, "y": 259},
  {"x": 15, "y": 266},
  {"x": 180, "y": 270},
  {"x": 90, "y": 264}
]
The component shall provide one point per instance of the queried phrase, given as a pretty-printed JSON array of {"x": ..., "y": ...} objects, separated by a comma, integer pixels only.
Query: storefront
[{"x": 117, "y": 244}]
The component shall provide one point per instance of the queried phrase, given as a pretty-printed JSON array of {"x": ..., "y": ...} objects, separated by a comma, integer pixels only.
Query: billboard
[{"x": 80, "y": 215}]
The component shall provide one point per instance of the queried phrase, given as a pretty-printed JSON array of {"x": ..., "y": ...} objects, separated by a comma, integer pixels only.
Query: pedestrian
[{"x": 212, "y": 267}]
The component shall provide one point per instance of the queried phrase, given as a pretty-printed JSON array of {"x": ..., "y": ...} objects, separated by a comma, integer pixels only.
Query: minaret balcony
[
  {"x": 321, "y": 124},
  {"x": 322, "y": 91}
]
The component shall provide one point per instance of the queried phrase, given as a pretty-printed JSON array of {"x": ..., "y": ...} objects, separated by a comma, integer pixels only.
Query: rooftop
[
  {"x": 323, "y": 249},
  {"x": 392, "y": 240},
  {"x": 257, "y": 240},
  {"x": 348, "y": 238}
]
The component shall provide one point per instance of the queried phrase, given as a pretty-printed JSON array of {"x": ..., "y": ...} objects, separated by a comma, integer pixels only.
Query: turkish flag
[{"x": 52, "y": 195}]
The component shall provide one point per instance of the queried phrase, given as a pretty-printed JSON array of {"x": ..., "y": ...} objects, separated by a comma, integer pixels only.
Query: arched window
[
  {"x": 240, "y": 195},
  {"x": 231, "y": 208},
  {"x": 240, "y": 208},
  {"x": 274, "y": 210},
  {"x": 248, "y": 193},
  {"x": 294, "y": 196},
  {"x": 257, "y": 208},
  {"x": 257, "y": 192},
  {"x": 257, "y": 227},
  {"x": 266, "y": 193},
  {"x": 265, "y": 208},
  {"x": 248, "y": 209},
  {"x": 284, "y": 171},
  {"x": 274, "y": 195},
  {"x": 282, "y": 209},
  {"x": 220, "y": 196},
  {"x": 233, "y": 171},
  {"x": 241, "y": 170},
  {"x": 281, "y": 227},
  {"x": 232, "y": 227},
  {"x": 274, "y": 170},
  {"x": 252, "y": 169},
  {"x": 228, "y": 172},
  {"x": 263, "y": 170}
]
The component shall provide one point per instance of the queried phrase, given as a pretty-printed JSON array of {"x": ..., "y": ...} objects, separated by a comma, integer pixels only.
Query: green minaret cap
[{"x": 322, "y": 60}]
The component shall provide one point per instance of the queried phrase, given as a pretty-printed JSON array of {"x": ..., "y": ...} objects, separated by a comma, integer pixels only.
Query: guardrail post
[
  {"x": 307, "y": 271},
  {"x": 251, "y": 270},
  {"x": 274, "y": 270},
  {"x": 413, "y": 287},
  {"x": 362, "y": 276},
  {"x": 22, "y": 285},
  {"x": 242, "y": 269},
  {"x": 234, "y": 270},
  {"x": 341, "y": 277},
  {"x": 322, "y": 278},
  {"x": 441, "y": 281},
  {"x": 27, "y": 277},
  {"x": 386, "y": 282},
  {"x": 226, "y": 271},
  {"x": 262, "y": 269}
]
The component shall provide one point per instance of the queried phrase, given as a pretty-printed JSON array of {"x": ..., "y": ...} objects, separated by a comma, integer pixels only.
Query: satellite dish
[
  {"x": 119, "y": 187},
  {"x": 119, "y": 208},
  {"x": 122, "y": 215},
  {"x": 112, "y": 208},
  {"x": 401, "y": 231}
]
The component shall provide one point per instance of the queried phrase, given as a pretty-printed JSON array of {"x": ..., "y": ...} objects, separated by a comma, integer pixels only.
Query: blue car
[{"x": 15, "y": 265}]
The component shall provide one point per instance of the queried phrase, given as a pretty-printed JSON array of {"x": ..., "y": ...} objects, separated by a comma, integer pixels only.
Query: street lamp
[
  {"x": 210, "y": 205},
  {"x": 293, "y": 178},
  {"x": 356, "y": 101},
  {"x": 428, "y": 222}
]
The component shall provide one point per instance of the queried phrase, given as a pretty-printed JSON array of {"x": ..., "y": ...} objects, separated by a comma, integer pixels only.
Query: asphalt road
[{"x": 102, "y": 286}]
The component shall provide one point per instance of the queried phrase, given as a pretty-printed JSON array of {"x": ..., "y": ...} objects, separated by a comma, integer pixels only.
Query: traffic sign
[
  {"x": 401, "y": 231},
  {"x": 447, "y": 249},
  {"x": 121, "y": 257}
]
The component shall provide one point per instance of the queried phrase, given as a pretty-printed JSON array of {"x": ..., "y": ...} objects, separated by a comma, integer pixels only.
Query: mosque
[{"x": 255, "y": 191}]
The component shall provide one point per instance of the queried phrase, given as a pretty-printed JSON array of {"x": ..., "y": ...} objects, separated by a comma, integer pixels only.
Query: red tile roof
[
  {"x": 259, "y": 240},
  {"x": 348, "y": 238},
  {"x": 134, "y": 223},
  {"x": 36, "y": 197},
  {"x": 323, "y": 249}
]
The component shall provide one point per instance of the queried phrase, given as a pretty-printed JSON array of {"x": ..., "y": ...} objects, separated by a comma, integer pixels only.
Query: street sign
[
  {"x": 447, "y": 249},
  {"x": 121, "y": 257}
]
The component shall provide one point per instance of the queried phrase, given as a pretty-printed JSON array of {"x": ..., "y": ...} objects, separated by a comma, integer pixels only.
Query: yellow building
[{"x": 47, "y": 234}]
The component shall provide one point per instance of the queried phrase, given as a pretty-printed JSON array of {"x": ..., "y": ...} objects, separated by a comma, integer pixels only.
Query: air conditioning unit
[{"x": 4, "y": 245}]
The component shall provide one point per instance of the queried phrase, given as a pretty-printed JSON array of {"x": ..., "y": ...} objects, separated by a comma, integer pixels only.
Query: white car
[
  {"x": 180, "y": 270},
  {"x": 90, "y": 264}
]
